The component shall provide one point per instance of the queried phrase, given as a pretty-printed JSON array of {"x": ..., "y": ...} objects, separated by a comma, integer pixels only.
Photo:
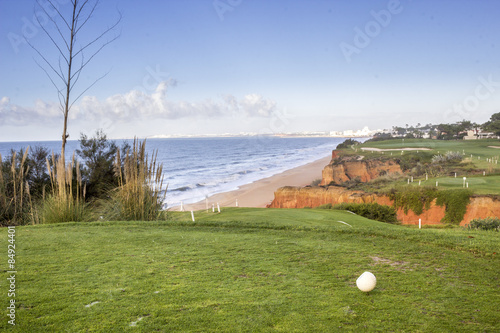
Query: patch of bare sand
[{"x": 399, "y": 265}]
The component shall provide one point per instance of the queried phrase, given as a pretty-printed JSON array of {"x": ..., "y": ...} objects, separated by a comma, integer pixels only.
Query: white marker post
[
  {"x": 455, "y": 175},
  {"x": 213, "y": 208},
  {"x": 436, "y": 184},
  {"x": 236, "y": 202},
  {"x": 419, "y": 182},
  {"x": 218, "y": 207},
  {"x": 465, "y": 178},
  {"x": 420, "y": 223},
  {"x": 192, "y": 216},
  {"x": 426, "y": 177},
  {"x": 182, "y": 207}
]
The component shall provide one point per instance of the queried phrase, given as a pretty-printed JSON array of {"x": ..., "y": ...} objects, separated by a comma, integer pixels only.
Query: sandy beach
[{"x": 261, "y": 192}]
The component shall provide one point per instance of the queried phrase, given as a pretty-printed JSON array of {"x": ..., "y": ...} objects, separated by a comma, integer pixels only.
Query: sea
[{"x": 196, "y": 168}]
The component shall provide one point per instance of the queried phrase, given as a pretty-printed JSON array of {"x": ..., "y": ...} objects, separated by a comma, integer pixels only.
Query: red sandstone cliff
[
  {"x": 342, "y": 170},
  {"x": 300, "y": 197}
]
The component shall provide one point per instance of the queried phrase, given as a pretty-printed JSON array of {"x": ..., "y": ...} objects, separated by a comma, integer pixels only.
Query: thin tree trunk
[{"x": 68, "y": 84}]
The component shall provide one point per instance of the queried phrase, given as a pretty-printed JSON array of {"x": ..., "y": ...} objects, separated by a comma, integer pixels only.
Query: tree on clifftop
[{"x": 493, "y": 125}]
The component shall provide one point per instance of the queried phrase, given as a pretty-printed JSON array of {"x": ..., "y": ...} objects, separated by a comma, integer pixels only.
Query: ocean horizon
[{"x": 196, "y": 168}]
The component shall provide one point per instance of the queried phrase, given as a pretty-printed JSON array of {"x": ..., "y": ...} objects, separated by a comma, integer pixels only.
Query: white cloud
[
  {"x": 11, "y": 114},
  {"x": 139, "y": 105}
]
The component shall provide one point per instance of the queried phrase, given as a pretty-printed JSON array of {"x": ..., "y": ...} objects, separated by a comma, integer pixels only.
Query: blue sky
[{"x": 230, "y": 66}]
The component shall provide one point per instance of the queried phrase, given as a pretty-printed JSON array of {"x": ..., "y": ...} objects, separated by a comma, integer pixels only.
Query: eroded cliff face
[
  {"x": 344, "y": 169},
  {"x": 339, "y": 171},
  {"x": 482, "y": 207},
  {"x": 300, "y": 197}
]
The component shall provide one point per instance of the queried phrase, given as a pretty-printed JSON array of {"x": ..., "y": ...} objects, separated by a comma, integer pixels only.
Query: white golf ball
[{"x": 366, "y": 282}]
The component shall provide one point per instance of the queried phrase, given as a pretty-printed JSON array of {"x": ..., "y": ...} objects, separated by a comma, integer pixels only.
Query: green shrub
[
  {"x": 455, "y": 202},
  {"x": 316, "y": 182},
  {"x": 325, "y": 206},
  {"x": 418, "y": 199},
  {"x": 489, "y": 223},
  {"x": 351, "y": 183},
  {"x": 372, "y": 211},
  {"x": 412, "y": 198},
  {"x": 348, "y": 144},
  {"x": 98, "y": 155},
  {"x": 448, "y": 157}
]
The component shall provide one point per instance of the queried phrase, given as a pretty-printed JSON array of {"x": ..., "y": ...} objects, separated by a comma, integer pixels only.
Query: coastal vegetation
[
  {"x": 372, "y": 211},
  {"x": 66, "y": 198},
  {"x": 444, "y": 131},
  {"x": 112, "y": 183},
  {"x": 139, "y": 194},
  {"x": 418, "y": 199},
  {"x": 253, "y": 270},
  {"x": 489, "y": 223}
]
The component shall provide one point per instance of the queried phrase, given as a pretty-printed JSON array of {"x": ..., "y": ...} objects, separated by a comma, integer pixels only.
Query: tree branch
[{"x": 53, "y": 22}]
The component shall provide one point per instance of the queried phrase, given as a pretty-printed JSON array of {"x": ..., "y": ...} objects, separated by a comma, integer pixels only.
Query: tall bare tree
[{"x": 73, "y": 54}]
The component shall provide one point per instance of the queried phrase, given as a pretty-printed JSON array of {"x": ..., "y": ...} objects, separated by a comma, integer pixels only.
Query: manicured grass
[
  {"x": 479, "y": 149},
  {"x": 483, "y": 159},
  {"x": 252, "y": 270},
  {"x": 477, "y": 184}
]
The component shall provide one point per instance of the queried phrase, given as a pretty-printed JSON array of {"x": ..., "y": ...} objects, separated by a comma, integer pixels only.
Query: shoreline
[{"x": 260, "y": 193}]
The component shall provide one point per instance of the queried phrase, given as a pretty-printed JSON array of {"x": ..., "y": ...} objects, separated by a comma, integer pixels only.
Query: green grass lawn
[
  {"x": 477, "y": 184},
  {"x": 477, "y": 156},
  {"x": 479, "y": 149},
  {"x": 252, "y": 270}
]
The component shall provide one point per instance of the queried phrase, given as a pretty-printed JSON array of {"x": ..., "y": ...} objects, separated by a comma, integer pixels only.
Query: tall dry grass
[
  {"x": 16, "y": 206},
  {"x": 66, "y": 202},
  {"x": 139, "y": 195}
]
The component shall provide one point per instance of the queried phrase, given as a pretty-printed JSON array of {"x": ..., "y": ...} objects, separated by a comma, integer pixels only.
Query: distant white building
[
  {"x": 348, "y": 133},
  {"x": 365, "y": 132},
  {"x": 477, "y": 134}
]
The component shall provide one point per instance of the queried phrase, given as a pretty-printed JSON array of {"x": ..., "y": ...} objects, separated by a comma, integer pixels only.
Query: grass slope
[{"x": 252, "y": 270}]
